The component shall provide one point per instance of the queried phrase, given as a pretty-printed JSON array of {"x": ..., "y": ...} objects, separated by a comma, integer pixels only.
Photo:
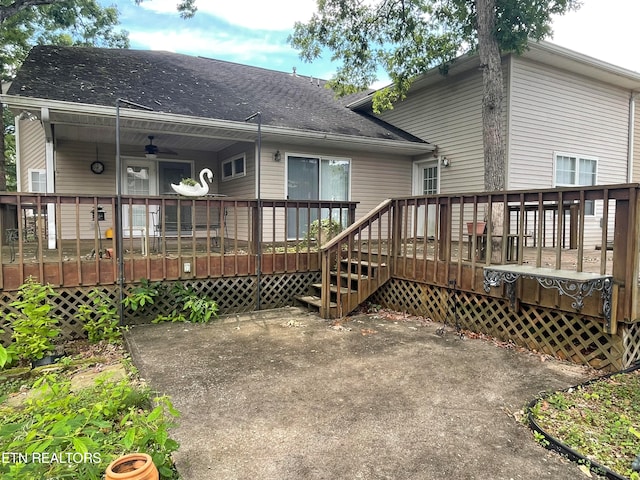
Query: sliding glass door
[{"x": 315, "y": 178}]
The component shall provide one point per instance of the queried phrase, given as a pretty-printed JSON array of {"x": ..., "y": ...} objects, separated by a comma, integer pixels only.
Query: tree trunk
[{"x": 492, "y": 83}]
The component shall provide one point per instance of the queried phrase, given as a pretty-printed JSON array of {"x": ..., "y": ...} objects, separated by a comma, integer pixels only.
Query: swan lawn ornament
[{"x": 195, "y": 190}]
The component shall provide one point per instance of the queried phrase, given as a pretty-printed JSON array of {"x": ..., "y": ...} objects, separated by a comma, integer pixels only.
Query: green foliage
[
  {"x": 189, "y": 306},
  {"x": 95, "y": 425},
  {"x": 100, "y": 318},
  {"x": 142, "y": 295},
  {"x": 35, "y": 328},
  {"x": 405, "y": 39},
  {"x": 189, "y": 181},
  {"x": 321, "y": 231},
  {"x": 598, "y": 420}
]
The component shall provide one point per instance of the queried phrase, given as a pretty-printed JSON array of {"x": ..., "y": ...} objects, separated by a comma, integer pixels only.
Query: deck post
[{"x": 444, "y": 254}]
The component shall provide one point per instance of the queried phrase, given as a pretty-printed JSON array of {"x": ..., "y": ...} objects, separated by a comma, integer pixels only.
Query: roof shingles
[{"x": 195, "y": 86}]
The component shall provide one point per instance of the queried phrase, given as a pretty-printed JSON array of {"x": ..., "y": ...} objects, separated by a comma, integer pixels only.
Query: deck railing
[
  {"x": 69, "y": 240},
  {"x": 450, "y": 238}
]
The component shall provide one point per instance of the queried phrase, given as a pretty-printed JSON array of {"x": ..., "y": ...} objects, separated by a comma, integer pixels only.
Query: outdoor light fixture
[
  {"x": 277, "y": 156},
  {"x": 444, "y": 161}
]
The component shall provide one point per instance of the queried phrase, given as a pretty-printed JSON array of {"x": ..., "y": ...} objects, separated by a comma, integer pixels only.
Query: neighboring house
[{"x": 570, "y": 120}]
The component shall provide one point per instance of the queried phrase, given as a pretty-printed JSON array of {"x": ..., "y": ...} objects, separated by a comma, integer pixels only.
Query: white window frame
[
  {"x": 578, "y": 157},
  {"x": 234, "y": 173},
  {"x": 40, "y": 171}
]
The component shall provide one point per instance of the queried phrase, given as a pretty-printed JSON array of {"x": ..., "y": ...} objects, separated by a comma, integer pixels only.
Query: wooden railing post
[
  {"x": 254, "y": 246},
  {"x": 444, "y": 253},
  {"x": 396, "y": 234}
]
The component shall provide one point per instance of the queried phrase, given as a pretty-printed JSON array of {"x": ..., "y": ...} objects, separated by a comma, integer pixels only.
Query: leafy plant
[
  {"x": 96, "y": 424},
  {"x": 35, "y": 328},
  {"x": 322, "y": 230},
  {"x": 190, "y": 306},
  {"x": 100, "y": 318},
  {"x": 7, "y": 355},
  {"x": 142, "y": 295},
  {"x": 189, "y": 181}
]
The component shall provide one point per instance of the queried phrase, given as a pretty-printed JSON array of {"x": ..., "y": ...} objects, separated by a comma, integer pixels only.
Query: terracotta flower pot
[{"x": 134, "y": 466}]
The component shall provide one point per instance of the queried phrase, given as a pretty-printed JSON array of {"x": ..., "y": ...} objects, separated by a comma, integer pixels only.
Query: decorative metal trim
[{"x": 572, "y": 288}]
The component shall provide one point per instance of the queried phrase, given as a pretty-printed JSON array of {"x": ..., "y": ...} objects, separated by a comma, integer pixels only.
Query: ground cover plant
[
  {"x": 601, "y": 421},
  {"x": 52, "y": 425}
]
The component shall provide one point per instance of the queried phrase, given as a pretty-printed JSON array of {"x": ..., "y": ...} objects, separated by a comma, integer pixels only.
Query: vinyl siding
[
  {"x": 636, "y": 143},
  {"x": 449, "y": 115},
  {"x": 74, "y": 176},
  {"x": 31, "y": 147},
  {"x": 374, "y": 178},
  {"x": 556, "y": 111}
]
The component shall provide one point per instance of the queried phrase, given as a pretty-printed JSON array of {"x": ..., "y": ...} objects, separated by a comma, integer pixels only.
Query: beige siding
[
  {"x": 31, "y": 147},
  {"x": 636, "y": 143},
  {"x": 73, "y": 176},
  {"x": 554, "y": 111},
  {"x": 448, "y": 114}
]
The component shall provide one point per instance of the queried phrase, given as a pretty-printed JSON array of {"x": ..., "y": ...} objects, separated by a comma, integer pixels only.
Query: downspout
[
  {"x": 631, "y": 139},
  {"x": 49, "y": 160}
]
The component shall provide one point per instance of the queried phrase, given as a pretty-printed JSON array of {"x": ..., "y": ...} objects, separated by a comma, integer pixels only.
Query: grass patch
[
  {"x": 597, "y": 420},
  {"x": 62, "y": 430}
]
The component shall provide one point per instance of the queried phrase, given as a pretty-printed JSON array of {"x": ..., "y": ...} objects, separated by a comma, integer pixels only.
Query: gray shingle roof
[{"x": 196, "y": 86}]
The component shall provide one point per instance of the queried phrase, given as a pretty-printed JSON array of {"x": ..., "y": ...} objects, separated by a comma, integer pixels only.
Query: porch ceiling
[{"x": 91, "y": 123}]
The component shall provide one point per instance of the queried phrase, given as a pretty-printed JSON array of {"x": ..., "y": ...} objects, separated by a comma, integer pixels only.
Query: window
[
  {"x": 576, "y": 170},
  {"x": 315, "y": 178},
  {"x": 233, "y": 168},
  {"x": 37, "y": 181}
]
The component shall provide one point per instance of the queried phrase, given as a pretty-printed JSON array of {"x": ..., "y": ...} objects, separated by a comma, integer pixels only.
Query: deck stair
[{"x": 350, "y": 285}]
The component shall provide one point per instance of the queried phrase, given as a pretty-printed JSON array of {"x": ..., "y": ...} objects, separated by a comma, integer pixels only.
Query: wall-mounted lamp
[
  {"x": 277, "y": 156},
  {"x": 444, "y": 161}
]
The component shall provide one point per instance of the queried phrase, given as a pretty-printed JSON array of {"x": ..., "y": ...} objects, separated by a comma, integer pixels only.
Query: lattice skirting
[
  {"x": 233, "y": 295},
  {"x": 564, "y": 335},
  {"x": 631, "y": 342}
]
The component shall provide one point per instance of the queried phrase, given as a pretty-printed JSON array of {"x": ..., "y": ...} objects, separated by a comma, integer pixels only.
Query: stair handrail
[
  {"x": 356, "y": 225},
  {"x": 334, "y": 244}
]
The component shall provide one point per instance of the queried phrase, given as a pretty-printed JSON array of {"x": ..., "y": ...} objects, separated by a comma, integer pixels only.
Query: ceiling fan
[{"x": 151, "y": 150}]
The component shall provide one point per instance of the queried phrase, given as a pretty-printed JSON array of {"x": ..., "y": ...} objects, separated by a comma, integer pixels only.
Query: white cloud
[
  {"x": 604, "y": 29},
  {"x": 275, "y": 15},
  {"x": 216, "y": 45}
]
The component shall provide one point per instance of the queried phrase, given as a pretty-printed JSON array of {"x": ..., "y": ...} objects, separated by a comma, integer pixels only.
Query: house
[
  {"x": 569, "y": 120},
  {"x": 572, "y": 143},
  {"x": 192, "y": 115}
]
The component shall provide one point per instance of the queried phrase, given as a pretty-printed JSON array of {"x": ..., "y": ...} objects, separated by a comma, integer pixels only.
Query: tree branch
[{"x": 20, "y": 5}]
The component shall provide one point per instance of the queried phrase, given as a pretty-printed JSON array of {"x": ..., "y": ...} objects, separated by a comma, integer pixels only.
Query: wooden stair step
[
  {"x": 364, "y": 263},
  {"x": 315, "y": 301},
  {"x": 334, "y": 288},
  {"x": 352, "y": 276}
]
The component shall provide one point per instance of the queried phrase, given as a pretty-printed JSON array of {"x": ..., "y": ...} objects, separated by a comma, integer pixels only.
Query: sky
[{"x": 254, "y": 32}]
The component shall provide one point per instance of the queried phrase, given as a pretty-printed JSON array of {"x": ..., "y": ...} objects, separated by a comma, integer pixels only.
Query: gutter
[{"x": 232, "y": 127}]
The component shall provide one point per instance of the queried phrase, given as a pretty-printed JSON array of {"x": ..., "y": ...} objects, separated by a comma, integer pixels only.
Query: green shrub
[
  {"x": 92, "y": 427},
  {"x": 189, "y": 306},
  {"x": 35, "y": 328},
  {"x": 100, "y": 318},
  {"x": 142, "y": 295}
]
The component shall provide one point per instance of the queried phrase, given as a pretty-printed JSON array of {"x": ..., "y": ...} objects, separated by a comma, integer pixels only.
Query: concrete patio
[{"x": 284, "y": 395}]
